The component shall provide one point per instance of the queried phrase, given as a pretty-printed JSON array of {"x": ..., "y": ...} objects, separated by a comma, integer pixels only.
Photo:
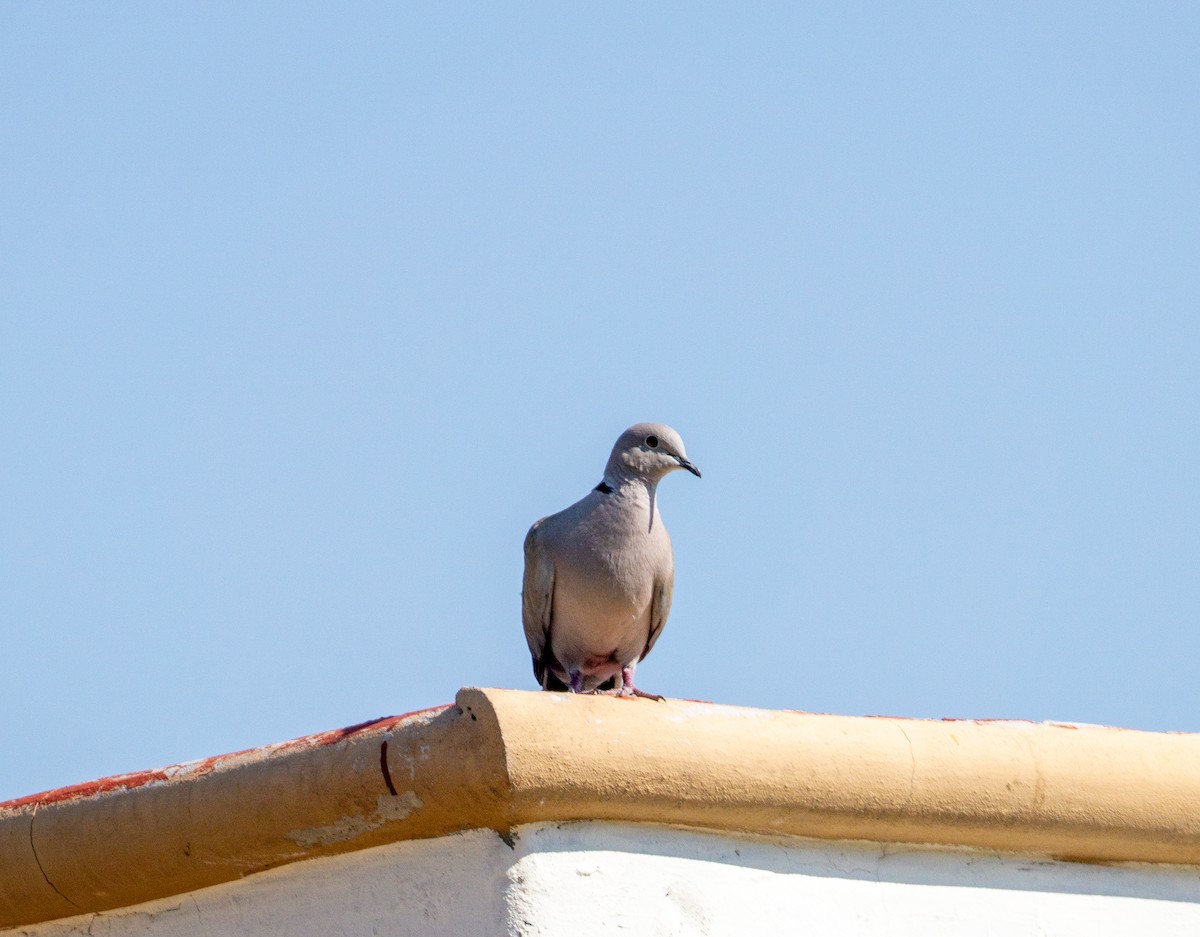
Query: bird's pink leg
[{"x": 627, "y": 690}]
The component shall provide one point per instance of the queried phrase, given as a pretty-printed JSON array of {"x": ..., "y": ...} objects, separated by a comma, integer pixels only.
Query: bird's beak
[{"x": 684, "y": 463}]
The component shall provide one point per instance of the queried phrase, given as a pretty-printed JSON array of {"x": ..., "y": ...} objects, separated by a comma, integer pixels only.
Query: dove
[{"x": 600, "y": 573}]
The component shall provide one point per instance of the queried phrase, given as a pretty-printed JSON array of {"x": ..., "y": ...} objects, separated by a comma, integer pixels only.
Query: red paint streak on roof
[
  {"x": 195, "y": 769},
  {"x": 118, "y": 782}
]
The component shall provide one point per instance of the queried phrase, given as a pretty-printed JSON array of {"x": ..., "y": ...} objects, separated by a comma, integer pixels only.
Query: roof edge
[
  {"x": 1079, "y": 793},
  {"x": 500, "y": 758}
]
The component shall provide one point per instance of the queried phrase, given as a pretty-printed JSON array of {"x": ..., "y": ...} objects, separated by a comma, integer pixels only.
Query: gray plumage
[{"x": 599, "y": 574}]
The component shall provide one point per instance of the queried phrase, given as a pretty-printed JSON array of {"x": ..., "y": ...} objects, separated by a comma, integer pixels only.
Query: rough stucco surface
[
  {"x": 620, "y": 878},
  {"x": 452, "y": 886},
  {"x": 624, "y": 879}
]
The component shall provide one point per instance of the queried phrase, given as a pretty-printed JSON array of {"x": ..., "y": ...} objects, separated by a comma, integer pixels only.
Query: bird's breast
[
  {"x": 619, "y": 566},
  {"x": 607, "y": 557}
]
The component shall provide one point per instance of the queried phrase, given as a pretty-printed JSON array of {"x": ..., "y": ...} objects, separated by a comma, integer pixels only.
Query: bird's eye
[{"x": 652, "y": 442}]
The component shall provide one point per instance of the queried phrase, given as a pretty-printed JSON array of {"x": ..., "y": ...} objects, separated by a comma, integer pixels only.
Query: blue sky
[{"x": 308, "y": 311}]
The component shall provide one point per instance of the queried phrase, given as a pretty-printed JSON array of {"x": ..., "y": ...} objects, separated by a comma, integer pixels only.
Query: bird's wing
[
  {"x": 537, "y": 593},
  {"x": 660, "y": 608}
]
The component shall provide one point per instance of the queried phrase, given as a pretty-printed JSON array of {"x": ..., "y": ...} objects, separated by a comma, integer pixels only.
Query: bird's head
[{"x": 649, "y": 451}]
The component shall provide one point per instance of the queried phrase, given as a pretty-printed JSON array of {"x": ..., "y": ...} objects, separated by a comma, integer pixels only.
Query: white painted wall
[{"x": 609, "y": 878}]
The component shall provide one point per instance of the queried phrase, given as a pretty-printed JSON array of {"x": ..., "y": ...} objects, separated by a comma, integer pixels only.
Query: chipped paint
[
  {"x": 118, "y": 782},
  {"x": 190, "y": 770},
  {"x": 387, "y": 809}
]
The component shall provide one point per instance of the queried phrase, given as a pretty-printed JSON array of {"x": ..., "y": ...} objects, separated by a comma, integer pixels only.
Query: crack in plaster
[
  {"x": 42, "y": 868},
  {"x": 383, "y": 766}
]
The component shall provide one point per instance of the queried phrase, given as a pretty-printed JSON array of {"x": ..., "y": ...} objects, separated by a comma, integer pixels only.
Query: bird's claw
[{"x": 629, "y": 692}]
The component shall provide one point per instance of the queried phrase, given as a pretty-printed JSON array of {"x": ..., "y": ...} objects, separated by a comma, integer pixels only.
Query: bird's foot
[
  {"x": 629, "y": 691},
  {"x": 576, "y": 682}
]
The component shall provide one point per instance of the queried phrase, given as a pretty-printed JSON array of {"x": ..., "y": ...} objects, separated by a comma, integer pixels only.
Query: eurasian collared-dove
[{"x": 598, "y": 575}]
